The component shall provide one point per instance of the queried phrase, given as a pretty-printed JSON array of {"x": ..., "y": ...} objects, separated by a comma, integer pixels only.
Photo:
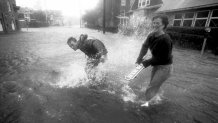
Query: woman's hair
[{"x": 163, "y": 18}]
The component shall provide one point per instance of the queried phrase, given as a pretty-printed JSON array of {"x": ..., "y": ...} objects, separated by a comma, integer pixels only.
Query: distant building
[
  {"x": 24, "y": 18},
  {"x": 55, "y": 18},
  {"x": 8, "y": 16},
  {"x": 125, "y": 11},
  {"x": 139, "y": 10},
  {"x": 111, "y": 21}
]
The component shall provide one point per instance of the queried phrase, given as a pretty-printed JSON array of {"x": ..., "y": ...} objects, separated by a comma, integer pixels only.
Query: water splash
[
  {"x": 157, "y": 99},
  {"x": 132, "y": 95},
  {"x": 72, "y": 76},
  {"x": 129, "y": 94}
]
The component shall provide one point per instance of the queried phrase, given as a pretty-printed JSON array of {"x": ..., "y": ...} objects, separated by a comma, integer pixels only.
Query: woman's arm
[{"x": 143, "y": 51}]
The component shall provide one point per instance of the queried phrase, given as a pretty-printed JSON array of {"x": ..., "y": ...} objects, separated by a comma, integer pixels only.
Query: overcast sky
[{"x": 68, "y": 7}]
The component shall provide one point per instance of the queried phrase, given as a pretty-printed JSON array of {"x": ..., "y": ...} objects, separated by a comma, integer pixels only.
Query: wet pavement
[{"x": 43, "y": 80}]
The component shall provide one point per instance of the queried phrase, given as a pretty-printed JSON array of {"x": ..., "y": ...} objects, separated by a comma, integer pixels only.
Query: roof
[{"x": 178, "y": 5}]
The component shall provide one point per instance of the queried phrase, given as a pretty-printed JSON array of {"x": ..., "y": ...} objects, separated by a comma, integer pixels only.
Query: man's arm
[{"x": 101, "y": 50}]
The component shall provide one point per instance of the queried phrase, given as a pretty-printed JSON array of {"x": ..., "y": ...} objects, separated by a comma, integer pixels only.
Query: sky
[{"x": 68, "y": 7}]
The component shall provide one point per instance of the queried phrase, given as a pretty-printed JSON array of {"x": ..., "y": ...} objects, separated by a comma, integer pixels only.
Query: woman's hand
[{"x": 146, "y": 63}]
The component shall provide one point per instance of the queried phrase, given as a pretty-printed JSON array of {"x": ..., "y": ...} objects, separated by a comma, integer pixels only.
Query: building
[
  {"x": 125, "y": 7},
  {"x": 24, "y": 17},
  {"x": 8, "y": 16},
  {"x": 182, "y": 13},
  {"x": 191, "y": 13},
  {"x": 189, "y": 20},
  {"x": 138, "y": 10}
]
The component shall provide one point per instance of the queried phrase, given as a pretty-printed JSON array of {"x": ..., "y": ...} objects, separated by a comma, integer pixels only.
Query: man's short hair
[
  {"x": 163, "y": 18},
  {"x": 71, "y": 39}
]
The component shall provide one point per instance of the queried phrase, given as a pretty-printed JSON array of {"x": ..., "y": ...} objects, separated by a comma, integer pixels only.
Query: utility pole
[
  {"x": 104, "y": 15},
  {"x": 80, "y": 15}
]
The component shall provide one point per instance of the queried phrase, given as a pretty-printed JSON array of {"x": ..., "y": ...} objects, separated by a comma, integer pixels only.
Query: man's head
[
  {"x": 159, "y": 22},
  {"x": 73, "y": 43}
]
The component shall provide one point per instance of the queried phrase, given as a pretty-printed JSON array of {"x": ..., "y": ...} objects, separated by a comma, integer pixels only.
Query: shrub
[{"x": 193, "y": 38}]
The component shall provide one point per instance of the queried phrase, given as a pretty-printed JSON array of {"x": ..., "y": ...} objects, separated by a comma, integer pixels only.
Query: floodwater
[{"x": 43, "y": 80}]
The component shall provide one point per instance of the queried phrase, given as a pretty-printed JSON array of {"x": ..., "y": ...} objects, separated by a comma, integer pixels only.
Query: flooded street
[{"x": 42, "y": 80}]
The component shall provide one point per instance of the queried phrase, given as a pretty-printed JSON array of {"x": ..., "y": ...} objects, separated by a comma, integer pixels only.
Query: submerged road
[{"x": 43, "y": 80}]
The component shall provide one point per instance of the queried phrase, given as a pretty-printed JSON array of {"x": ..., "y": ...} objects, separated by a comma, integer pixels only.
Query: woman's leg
[{"x": 158, "y": 76}]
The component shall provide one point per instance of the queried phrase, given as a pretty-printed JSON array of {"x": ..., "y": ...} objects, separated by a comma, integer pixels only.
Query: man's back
[{"x": 93, "y": 47}]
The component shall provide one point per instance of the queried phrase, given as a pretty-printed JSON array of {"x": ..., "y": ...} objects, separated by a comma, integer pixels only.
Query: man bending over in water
[{"x": 94, "y": 49}]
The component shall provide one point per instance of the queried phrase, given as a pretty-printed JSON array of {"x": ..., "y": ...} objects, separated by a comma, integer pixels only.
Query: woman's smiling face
[{"x": 157, "y": 25}]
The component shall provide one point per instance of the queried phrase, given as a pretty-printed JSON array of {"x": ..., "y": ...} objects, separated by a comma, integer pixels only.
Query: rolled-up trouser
[
  {"x": 159, "y": 74},
  {"x": 90, "y": 68}
]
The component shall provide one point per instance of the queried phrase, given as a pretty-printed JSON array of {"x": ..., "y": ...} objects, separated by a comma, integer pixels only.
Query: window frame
[
  {"x": 204, "y": 18},
  {"x": 211, "y": 17},
  {"x": 178, "y": 19},
  {"x": 194, "y": 19},
  {"x": 124, "y": 21},
  {"x": 184, "y": 19},
  {"x": 146, "y": 3}
]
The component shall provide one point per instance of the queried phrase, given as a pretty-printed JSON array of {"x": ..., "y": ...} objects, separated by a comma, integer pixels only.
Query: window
[
  {"x": 187, "y": 23},
  {"x": 123, "y": 2},
  {"x": 9, "y": 7},
  {"x": 214, "y": 19},
  {"x": 178, "y": 16},
  {"x": 215, "y": 13},
  {"x": 178, "y": 19},
  {"x": 143, "y": 3},
  {"x": 201, "y": 19},
  {"x": 124, "y": 21},
  {"x": 203, "y": 14},
  {"x": 214, "y": 22},
  {"x": 177, "y": 22},
  {"x": 20, "y": 15},
  {"x": 188, "y": 19},
  {"x": 147, "y": 2},
  {"x": 200, "y": 22},
  {"x": 189, "y": 15}
]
